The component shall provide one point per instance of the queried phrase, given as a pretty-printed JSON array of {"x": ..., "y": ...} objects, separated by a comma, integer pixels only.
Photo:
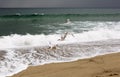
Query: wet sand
[{"x": 100, "y": 66}]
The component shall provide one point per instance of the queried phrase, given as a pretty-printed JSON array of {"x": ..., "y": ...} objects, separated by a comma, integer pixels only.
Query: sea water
[{"x": 27, "y": 36}]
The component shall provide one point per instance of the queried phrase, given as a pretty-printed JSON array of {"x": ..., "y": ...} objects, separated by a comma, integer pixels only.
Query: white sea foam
[
  {"x": 24, "y": 50},
  {"x": 14, "y": 41}
]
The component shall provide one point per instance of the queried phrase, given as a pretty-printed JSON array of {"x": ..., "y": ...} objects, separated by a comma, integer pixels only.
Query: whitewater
[{"x": 85, "y": 39}]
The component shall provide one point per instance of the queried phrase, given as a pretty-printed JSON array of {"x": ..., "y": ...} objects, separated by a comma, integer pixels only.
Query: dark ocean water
[
  {"x": 26, "y": 11},
  {"x": 48, "y": 20}
]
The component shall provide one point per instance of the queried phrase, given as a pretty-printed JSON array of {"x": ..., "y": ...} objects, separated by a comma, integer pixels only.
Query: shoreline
[{"x": 99, "y": 66}]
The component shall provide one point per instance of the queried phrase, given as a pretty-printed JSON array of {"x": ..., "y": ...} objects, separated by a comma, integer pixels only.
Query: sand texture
[{"x": 101, "y": 66}]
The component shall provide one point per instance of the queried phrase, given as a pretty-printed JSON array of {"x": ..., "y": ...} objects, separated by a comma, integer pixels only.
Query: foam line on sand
[{"x": 100, "y": 66}]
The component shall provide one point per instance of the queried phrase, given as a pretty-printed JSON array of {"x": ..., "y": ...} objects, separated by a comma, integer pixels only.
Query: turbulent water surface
[{"x": 34, "y": 39}]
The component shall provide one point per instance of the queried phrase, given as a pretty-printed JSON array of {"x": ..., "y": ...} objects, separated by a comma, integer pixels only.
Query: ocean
[{"x": 37, "y": 36}]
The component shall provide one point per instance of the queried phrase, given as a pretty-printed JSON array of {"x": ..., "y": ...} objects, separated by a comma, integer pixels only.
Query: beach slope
[{"x": 100, "y": 66}]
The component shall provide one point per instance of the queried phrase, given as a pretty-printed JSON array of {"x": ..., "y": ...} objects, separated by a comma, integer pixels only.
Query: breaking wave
[{"x": 17, "y": 52}]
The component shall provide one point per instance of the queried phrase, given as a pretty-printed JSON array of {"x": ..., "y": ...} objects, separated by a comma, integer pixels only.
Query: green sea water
[{"x": 48, "y": 20}]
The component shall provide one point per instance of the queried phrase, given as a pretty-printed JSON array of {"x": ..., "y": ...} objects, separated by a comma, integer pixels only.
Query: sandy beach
[{"x": 100, "y": 66}]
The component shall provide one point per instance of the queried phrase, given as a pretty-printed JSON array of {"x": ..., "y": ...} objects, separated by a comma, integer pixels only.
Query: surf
[{"x": 88, "y": 39}]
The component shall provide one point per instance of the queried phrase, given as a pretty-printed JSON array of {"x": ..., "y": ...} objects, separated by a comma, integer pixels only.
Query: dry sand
[{"x": 101, "y": 66}]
